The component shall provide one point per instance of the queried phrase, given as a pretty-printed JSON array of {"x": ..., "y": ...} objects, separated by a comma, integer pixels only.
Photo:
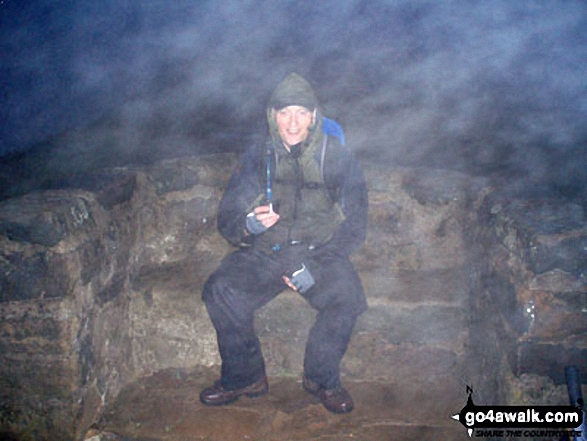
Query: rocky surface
[
  {"x": 165, "y": 406},
  {"x": 100, "y": 290}
]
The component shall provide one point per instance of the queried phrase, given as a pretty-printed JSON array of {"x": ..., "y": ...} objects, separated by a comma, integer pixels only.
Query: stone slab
[
  {"x": 421, "y": 323},
  {"x": 417, "y": 286},
  {"x": 369, "y": 356},
  {"x": 44, "y": 218}
]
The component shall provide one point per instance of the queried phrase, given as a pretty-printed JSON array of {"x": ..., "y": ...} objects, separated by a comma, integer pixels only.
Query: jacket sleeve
[
  {"x": 243, "y": 189},
  {"x": 353, "y": 199}
]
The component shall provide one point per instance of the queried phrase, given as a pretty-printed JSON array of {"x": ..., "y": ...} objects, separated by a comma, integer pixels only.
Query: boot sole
[
  {"x": 232, "y": 400},
  {"x": 218, "y": 403}
]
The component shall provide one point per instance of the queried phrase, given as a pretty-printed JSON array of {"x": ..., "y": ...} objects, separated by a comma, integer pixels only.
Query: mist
[{"x": 491, "y": 88}]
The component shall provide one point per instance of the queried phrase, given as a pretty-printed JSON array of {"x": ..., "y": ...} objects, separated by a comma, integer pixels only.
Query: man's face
[{"x": 294, "y": 123}]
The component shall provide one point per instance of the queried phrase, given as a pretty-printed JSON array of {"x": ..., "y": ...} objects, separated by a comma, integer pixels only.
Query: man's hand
[
  {"x": 301, "y": 280},
  {"x": 266, "y": 215},
  {"x": 288, "y": 283},
  {"x": 260, "y": 219}
]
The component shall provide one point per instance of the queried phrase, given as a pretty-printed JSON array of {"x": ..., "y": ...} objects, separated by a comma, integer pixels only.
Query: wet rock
[
  {"x": 567, "y": 254},
  {"x": 26, "y": 275},
  {"x": 530, "y": 304},
  {"x": 182, "y": 174},
  {"x": 44, "y": 218},
  {"x": 559, "y": 281},
  {"x": 112, "y": 187},
  {"x": 547, "y": 217},
  {"x": 172, "y": 176},
  {"x": 37, "y": 375},
  {"x": 118, "y": 192},
  {"x": 546, "y": 359},
  {"x": 529, "y": 389}
]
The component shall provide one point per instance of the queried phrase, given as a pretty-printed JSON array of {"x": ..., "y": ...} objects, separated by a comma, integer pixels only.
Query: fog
[{"x": 492, "y": 88}]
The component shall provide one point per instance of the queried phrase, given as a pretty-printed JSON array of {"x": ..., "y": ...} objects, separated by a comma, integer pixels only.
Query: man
[{"x": 297, "y": 208}]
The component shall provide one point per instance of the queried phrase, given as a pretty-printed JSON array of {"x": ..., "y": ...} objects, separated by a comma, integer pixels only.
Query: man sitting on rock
[{"x": 296, "y": 208}]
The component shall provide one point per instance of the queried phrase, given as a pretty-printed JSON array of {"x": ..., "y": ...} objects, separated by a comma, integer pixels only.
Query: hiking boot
[
  {"x": 335, "y": 400},
  {"x": 216, "y": 395}
]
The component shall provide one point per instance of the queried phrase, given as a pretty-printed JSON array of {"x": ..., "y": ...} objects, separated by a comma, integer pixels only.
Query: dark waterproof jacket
[{"x": 344, "y": 181}]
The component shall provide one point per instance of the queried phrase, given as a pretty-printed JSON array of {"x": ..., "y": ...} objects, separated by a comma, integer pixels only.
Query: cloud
[{"x": 480, "y": 86}]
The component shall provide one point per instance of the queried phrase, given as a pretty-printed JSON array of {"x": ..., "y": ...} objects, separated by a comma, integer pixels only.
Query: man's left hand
[{"x": 301, "y": 280}]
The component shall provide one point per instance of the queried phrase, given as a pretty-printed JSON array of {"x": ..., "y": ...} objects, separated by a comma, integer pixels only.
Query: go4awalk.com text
[
  {"x": 519, "y": 421},
  {"x": 526, "y": 433}
]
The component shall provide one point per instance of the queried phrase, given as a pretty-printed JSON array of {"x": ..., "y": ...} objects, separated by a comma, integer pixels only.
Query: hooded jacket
[{"x": 342, "y": 176}]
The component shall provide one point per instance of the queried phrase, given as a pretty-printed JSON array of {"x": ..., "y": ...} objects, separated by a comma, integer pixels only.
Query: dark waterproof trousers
[{"x": 248, "y": 279}]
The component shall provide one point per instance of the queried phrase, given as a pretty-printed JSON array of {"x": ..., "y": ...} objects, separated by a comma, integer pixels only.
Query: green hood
[{"x": 294, "y": 90}]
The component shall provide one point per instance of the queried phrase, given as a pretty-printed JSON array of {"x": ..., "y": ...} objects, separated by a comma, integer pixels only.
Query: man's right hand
[
  {"x": 266, "y": 215},
  {"x": 260, "y": 219}
]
